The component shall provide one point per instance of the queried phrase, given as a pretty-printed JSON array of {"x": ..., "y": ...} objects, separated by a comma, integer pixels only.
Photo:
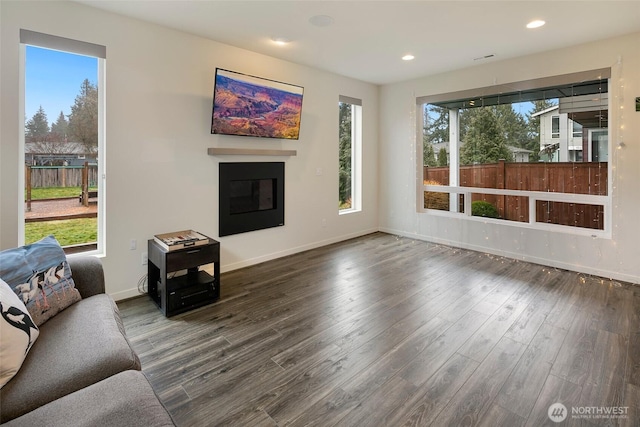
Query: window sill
[{"x": 348, "y": 211}]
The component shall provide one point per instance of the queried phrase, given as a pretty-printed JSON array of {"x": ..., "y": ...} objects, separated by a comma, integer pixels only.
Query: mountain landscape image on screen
[{"x": 250, "y": 106}]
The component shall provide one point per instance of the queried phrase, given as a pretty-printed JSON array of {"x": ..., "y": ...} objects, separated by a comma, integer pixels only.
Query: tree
[
  {"x": 436, "y": 128},
  {"x": 344, "y": 154},
  {"x": 466, "y": 116},
  {"x": 428, "y": 155},
  {"x": 83, "y": 120},
  {"x": 59, "y": 129},
  {"x": 37, "y": 128},
  {"x": 39, "y": 136},
  {"x": 443, "y": 157},
  {"x": 513, "y": 124},
  {"x": 485, "y": 140}
]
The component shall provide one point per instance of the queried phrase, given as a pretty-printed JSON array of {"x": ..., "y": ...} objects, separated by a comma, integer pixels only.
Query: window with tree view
[
  {"x": 62, "y": 144},
  {"x": 349, "y": 147},
  {"x": 536, "y": 156}
]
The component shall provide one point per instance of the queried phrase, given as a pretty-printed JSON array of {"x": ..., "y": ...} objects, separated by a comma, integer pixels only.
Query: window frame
[
  {"x": 62, "y": 44},
  {"x": 455, "y": 190},
  {"x": 576, "y": 133}
]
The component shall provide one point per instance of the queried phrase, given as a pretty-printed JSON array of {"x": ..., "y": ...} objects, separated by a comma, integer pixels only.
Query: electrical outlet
[
  {"x": 324, "y": 222},
  {"x": 133, "y": 244},
  {"x": 145, "y": 258}
]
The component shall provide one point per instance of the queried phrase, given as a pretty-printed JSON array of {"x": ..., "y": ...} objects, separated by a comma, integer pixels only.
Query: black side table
[{"x": 185, "y": 292}]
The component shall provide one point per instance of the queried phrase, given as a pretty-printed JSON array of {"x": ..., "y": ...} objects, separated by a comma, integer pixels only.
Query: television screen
[{"x": 252, "y": 106}]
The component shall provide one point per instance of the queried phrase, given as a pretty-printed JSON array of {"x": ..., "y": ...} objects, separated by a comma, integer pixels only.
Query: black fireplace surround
[{"x": 251, "y": 196}]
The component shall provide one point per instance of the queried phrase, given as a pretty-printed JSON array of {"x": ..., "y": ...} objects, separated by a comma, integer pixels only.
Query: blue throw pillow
[{"x": 40, "y": 275}]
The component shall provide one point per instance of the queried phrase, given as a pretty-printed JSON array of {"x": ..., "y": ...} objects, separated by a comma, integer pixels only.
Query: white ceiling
[{"x": 368, "y": 38}]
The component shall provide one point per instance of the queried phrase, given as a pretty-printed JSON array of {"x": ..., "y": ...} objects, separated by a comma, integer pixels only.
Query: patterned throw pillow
[
  {"x": 40, "y": 275},
  {"x": 17, "y": 333}
]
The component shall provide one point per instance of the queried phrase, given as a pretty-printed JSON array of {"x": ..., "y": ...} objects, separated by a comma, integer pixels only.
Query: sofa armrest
[{"x": 87, "y": 274}]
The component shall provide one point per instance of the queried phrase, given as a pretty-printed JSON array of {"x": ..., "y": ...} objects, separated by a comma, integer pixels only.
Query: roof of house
[
  {"x": 519, "y": 150},
  {"x": 539, "y": 113}
]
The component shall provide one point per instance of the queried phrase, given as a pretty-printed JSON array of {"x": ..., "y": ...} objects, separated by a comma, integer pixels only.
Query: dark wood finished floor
[{"x": 389, "y": 331}]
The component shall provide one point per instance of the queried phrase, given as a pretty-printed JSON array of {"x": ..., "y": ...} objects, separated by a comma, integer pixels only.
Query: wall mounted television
[{"x": 246, "y": 105}]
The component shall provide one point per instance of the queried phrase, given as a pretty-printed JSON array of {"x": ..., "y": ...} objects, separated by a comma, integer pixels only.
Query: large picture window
[
  {"x": 63, "y": 141},
  {"x": 536, "y": 157}
]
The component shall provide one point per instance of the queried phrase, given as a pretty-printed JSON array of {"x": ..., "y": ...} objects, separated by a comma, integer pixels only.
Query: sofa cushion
[
  {"x": 123, "y": 400},
  {"x": 80, "y": 346},
  {"x": 39, "y": 273},
  {"x": 17, "y": 333}
]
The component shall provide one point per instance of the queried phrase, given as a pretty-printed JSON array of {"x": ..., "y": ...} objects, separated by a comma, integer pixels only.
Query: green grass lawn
[
  {"x": 55, "y": 192},
  {"x": 67, "y": 232}
]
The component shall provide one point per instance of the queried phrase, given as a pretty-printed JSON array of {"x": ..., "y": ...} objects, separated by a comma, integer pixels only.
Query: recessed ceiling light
[
  {"x": 321, "y": 20},
  {"x": 280, "y": 40},
  {"x": 408, "y": 57},
  {"x": 536, "y": 24}
]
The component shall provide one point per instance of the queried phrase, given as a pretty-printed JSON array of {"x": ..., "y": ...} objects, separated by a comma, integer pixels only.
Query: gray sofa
[{"x": 82, "y": 371}]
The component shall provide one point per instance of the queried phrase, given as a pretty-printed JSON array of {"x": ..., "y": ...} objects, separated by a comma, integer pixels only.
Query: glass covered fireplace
[{"x": 251, "y": 196}]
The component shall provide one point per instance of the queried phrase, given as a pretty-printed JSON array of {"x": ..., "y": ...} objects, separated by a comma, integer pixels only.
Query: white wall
[
  {"x": 159, "y": 176},
  {"x": 615, "y": 258}
]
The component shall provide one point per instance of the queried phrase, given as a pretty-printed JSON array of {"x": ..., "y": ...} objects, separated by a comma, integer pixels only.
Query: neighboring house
[
  {"x": 565, "y": 140},
  {"x": 520, "y": 155},
  {"x": 57, "y": 154},
  {"x": 560, "y": 137}
]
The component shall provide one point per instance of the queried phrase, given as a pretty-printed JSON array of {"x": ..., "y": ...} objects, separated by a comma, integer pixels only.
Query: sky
[
  {"x": 53, "y": 80},
  {"x": 523, "y": 108}
]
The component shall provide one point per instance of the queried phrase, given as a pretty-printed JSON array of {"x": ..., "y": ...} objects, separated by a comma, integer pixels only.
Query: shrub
[{"x": 482, "y": 208}]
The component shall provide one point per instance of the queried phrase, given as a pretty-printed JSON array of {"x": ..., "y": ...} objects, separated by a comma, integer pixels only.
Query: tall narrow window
[
  {"x": 349, "y": 154},
  {"x": 63, "y": 142},
  {"x": 555, "y": 127}
]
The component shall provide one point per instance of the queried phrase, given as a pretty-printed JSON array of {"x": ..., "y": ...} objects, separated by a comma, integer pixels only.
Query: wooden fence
[
  {"x": 61, "y": 176},
  {"x": 565, "y": 177}
]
